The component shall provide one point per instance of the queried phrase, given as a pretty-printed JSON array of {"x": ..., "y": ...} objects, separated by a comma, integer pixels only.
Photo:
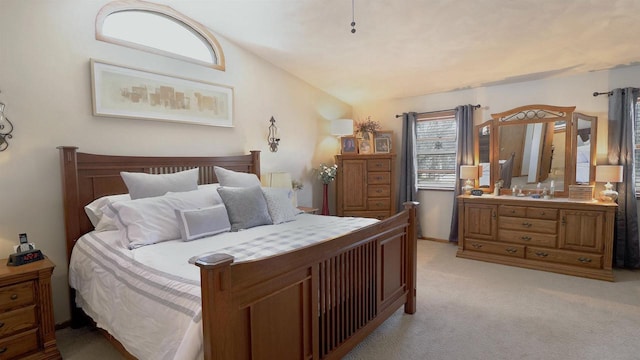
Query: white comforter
[{"x": 149, "y": 298}]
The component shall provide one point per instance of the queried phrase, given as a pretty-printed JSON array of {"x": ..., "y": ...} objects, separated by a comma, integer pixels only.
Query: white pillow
[
  {"x": 151, "y": 220},
  {"x": 246, "y": 206},
  {"x": 199, "y": 223},
  {"x": 235, "y": 179},
  {"x": 143, "y": 185},
  {"x": 279, "y": 204},
  {"x": 94, "y": 209}
]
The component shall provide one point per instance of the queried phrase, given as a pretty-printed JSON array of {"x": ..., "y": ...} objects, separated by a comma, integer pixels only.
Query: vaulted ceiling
[{"x": 406, "y": 48}]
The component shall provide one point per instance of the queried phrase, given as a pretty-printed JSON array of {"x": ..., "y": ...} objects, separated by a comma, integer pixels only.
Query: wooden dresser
[
  {"x": 365, "y": 185},
  {"x": 27, "y": 328},
  {"x": 558, "y": 235}
]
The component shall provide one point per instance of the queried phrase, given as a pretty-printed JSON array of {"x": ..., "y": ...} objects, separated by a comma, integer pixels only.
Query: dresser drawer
[
  {"x": 495, "y": 248},
  {"x": 380, "y": 215},
  {"x": 379, "y": 191},
  {"x": 530, "y": 225},
  {"x": 379, "y": 165},
  {"x": 527, "y": 238},
  {"x": 16, "y": 345},
  {"x": 515, "y": 211},
  {"x": 379, "y": 204},
  {"x": 565, "y": 257},
  {"x": 17, "y": 295},
  {"x": 542, "y": 213},
  {"x": 379, "y": 178},
  {"x": 17, "y": 320}
]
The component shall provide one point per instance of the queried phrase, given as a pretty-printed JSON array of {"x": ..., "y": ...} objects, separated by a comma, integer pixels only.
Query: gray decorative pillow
[
  {"x": 235, "y": 179},
  {"x": 142, "y": 185},
  {"x": 279, "y": 204},
  {"x": 199, "y": 223},
  {"x": 246, "y": 206}
]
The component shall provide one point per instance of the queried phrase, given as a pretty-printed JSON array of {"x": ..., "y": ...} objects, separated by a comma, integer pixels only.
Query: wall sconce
[
  {"x": 4, "y": 134},
  {"x": 470, "y": 174},
  {"x": 609, "y": 173},
  {"x": 273, "y": 138},
  {"x": 342, "y": 127}
]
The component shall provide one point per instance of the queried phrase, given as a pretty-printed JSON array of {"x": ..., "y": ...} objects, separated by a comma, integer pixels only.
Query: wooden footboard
[{"x": 314, "y": 303}]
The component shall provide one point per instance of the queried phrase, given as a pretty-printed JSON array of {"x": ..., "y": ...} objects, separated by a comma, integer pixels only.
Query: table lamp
[
  {"x": 341, "y": 127},
  {"x": 609, "y": 173},
  {"x": 470, "y": 174}
]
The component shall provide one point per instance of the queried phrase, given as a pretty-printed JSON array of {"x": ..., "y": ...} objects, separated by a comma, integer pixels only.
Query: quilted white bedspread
[{"x": 149, "y": 298}]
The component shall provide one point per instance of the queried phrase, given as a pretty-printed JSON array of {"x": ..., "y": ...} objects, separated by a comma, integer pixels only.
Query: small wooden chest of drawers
[
  {"x": 574, "y": 238},
  {"x": 27, "y": 329}
]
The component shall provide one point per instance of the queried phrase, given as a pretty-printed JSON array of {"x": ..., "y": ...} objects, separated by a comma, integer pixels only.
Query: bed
[{"x": 315, "y": 301}]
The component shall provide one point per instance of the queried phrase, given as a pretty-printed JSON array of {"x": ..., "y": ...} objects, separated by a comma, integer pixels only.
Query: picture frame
[
  {"x": 388, "y": 134},
  {"x": 381, "y": 145},
  {"x": 364, "y": 146},
  {"x": 348, "y": 145},
  {"x": 125, "y": 92}
]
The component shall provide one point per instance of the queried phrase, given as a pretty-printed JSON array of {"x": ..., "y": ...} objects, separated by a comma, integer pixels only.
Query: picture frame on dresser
[
  {"x": 385, "y": 134},
  {"x": 126, "y": 92},
  {"x": 348, "y": 145},
  {"x": 365, "y": 147},
  {"x": 381, "y": 146}
]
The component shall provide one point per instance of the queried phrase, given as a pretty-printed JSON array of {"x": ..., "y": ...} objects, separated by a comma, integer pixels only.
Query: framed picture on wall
[
  {"x": 120, "y": 91},
  {"x": 365, "y": 146},
  {"x": 386, "y": 134},
  {"x": 348, "y": 145},
  {"x": 381, "y": 145}
]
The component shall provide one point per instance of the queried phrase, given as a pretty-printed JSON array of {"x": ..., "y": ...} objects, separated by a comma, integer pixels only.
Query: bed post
[
  {"x": 255, "y": 155},
  {"x": 69, "y": 166},
  {"x": 412, "y": 259},
  {"x": 217, "y": 306}
]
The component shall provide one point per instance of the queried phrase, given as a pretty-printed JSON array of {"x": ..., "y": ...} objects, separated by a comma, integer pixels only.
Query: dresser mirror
[
  {"x": 531, "y": 149},
  {"x": 584, "y": 156},
  {"x": 482, "y": 141}
]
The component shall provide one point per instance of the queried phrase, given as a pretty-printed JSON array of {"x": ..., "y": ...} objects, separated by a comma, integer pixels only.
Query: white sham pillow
[
  {"x": 198, "y": 223},
  {"x": 279, "y": 204},
  {"x": 151, "y": 220},
  {"x": 95, "y": 208},
  {"x": 235, "y": 179},
  {"x": 143, "y": 185}
]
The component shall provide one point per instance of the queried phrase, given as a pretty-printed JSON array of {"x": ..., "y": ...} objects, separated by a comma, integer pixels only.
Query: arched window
[{"x": 158, "y": 29}]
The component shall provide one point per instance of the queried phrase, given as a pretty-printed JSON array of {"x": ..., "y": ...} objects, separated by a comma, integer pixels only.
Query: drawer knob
[
  {"x": 14, "y": 296},
  {"x": 3, "y": 350},
  {"x": 513, "y": 211},
  {"x": 584, "y": 260},
  {"x": 527, "y": 224},
  {"x": 379, "y": 191},
  {"x": 1, "y": 324},
  {"x": 541, "y": 254},
  {"x": 525, "y": 238},
  {"x": 511, "y": 250},
  {"x": 476, "y": 246}
]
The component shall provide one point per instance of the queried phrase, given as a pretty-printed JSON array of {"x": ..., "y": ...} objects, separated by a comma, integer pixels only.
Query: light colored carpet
[{"x": 469, "y": 310}]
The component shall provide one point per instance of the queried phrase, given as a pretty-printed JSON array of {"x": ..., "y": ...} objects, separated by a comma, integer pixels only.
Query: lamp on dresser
[
  {"x": 341, "y": 127},
  {"x": 469, "y": 173},
  {"x": 609, "y": 174}
]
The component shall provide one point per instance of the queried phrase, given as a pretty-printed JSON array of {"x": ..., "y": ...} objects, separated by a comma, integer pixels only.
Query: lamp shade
[
  {"x": 277, "y": 180},
  {"x": 342, "y": 127},
  {"x": 609, "y": 173},
  {"x": 468, "y": 172}
]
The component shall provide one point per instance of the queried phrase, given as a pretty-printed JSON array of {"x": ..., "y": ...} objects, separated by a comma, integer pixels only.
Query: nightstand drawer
[
  {"x": 376, "y": 191},
  {"x": 17, "y": 295},
  {"x": 19, "y": 344},
  {"x": 18, "y": 320}
]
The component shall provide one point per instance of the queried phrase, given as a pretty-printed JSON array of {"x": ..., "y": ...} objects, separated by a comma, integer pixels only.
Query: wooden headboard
[{"x": 86, "y": 177}]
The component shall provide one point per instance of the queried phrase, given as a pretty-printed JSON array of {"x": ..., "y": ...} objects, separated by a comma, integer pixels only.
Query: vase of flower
[
  {"x": 367, "y": 128},
  {"x": 326, "y": 174}
]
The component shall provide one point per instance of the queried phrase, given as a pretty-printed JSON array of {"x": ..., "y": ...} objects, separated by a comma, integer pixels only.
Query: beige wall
[
  {"x": 45, "y": 47},
  {"x": 435, "y": 213}
]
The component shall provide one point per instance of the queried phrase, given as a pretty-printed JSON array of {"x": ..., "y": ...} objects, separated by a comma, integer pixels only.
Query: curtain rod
[
  {"x": 433, "y": 112},
  {"x": 603, "y": 93}
]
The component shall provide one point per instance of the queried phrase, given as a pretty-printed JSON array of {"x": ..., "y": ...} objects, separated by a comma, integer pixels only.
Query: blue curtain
[
  {"x": 464, "y": 156},
  {"x": 408, "y": 163},
  {"x": 622, "y": 115}
]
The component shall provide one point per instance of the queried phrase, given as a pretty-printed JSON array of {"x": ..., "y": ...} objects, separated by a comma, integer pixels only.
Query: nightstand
[
  {"x": 308, "y": 210},
  {"x": 27, "y": 328}
]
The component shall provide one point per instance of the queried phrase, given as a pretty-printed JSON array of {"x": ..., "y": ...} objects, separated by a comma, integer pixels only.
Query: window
[
  {"x": 436, "y": 144},
  {"x": 158, "y": 29}
]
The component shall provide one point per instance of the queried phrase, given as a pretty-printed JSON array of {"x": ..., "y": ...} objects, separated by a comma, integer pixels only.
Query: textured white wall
[
  {"x": 436, "y": 208},
  {"x": 45, "y": 82}
]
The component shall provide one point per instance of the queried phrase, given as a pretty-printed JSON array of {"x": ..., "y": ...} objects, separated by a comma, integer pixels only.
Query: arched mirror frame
[
  {"x": 578, "y": 155},
  {"x": 530, "y": 114}
]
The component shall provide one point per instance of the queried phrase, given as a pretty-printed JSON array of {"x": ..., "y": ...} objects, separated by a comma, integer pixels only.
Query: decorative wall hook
[
  {"x": 4, "y": 134},
  {"x": 273, "y": 138}
]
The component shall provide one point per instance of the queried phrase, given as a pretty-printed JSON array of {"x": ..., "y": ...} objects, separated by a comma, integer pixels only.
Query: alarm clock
[{"x": 25, "y": 257}]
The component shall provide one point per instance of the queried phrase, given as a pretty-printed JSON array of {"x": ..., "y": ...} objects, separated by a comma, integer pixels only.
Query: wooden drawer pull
[
  {"x": 584, "y": 260},
  {"x": 526, "y": 224},
  {"x": 541, "y": 254},
  {"x": 511, "y": 250},
  {"x": 513, "y": 211},
  {"x": 525, "y": 238},
  {"x": 379, "y": 191},
  {"x": 14, "y": 296},
  {"x": 378, "y": 177},
  {"x": 1, "y": 324},
  {"x": 476, "y": 246},
  {"x": 3, "y": 350}
]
